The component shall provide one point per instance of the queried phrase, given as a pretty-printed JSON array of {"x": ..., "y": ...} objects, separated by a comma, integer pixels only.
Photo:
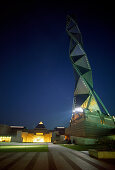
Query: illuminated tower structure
[{"x": 87, "y": 106}]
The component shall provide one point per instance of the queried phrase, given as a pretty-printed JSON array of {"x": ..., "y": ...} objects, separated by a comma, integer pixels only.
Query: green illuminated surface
[
  {"x": 80, "y": 147},
  {"x": 24, "y": 148},
  {"x": 87, "y": 147}
]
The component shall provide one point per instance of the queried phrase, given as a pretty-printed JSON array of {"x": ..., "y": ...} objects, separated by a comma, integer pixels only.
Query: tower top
[{"x": 40, "y": 125}]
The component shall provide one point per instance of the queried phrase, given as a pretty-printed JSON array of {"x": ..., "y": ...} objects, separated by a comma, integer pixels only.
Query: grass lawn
[
  {"x": 82, "y": 147},
  {"x": 24, "y": 148}
]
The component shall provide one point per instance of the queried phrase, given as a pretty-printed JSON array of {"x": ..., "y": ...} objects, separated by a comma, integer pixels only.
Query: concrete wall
[
  {"x": 55, "y": 136},
  {"x": 91, "y": 126},
  {"x": 17, "y": 138},
  {"x": 62, "y": 137},
  {"x": 82, "y": 141}
]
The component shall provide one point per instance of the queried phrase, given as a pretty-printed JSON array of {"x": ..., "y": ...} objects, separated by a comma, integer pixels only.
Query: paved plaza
[{"x": 58, "y": 158}]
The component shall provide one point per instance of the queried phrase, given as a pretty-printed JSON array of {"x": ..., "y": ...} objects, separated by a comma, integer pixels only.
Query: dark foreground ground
[{"x": 57, "y": 158}]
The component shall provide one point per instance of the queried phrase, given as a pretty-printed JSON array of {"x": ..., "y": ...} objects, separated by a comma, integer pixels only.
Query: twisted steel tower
[{"x": 85, "y": 98}]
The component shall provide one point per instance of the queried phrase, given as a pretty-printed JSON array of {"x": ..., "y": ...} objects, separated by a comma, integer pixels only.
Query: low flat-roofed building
[
  {"x": 38, "y": 134},
  {"x": 58, "y": 134},
  {"x": 21, "y": 134}
]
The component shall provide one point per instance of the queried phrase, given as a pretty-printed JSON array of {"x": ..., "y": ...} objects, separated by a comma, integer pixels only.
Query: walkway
[{"x": 58, "y": 158}]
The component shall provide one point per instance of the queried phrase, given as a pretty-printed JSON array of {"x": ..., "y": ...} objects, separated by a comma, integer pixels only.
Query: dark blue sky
[{"x": 36, "y": 75}]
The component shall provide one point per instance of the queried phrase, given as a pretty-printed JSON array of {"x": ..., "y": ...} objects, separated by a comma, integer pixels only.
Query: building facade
[
  {"x": 90, "y": 118},
  {"x": 21, "y": 134}
]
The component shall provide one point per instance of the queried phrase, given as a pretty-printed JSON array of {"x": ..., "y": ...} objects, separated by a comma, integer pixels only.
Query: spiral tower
[{"x": 85, "y": 98}]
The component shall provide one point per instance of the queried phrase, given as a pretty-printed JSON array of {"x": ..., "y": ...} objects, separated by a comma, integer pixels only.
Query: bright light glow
[
  {"x": 39, "y": 137},
  {"x": 38, "y": 140},
  {"x": 17, "y": 126},
  {"x": 78, "y": 109},
  {"x": 41, "y": 123},
  {"x": 40, "y": 134},
  {"x": 5, "y": 139},
  {"x": 60, "y": 127}
]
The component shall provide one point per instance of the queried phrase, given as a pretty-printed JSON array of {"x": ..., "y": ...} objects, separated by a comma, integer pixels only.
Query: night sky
[{"x": 36, "y": 75}]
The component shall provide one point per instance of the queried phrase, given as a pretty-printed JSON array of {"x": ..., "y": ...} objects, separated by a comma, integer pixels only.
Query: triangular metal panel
[
  {"x": 76, "y": 75},
  {"x": 80, "y": 99},
  {"x": 72, "y": 45},
  {"x": 76, "y": 58},
  {"x": 77, "y": 51},
  {"x": 74, "y": 29},
  {"x": 78, "y": 37},
  {"x": 69, "y": 24},
  {"x": 82, "y": 69},
  {"x": 83, "y": 62},
  {"x": 93, "y": 106},
  {"x": 76, "y": 78},
  {"x": 88, "y": 77},
  {"x": 85, "y": 104},
  {"x": 81, "y": 88}
]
